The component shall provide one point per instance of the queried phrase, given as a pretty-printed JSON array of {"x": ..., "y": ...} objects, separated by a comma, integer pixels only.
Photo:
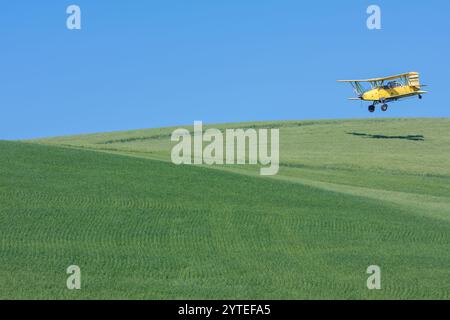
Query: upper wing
[{"x": 383, "y": 79}]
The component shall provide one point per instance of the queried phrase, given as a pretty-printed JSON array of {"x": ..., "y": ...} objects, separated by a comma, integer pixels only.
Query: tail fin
[{"x": 414, "y": 80}]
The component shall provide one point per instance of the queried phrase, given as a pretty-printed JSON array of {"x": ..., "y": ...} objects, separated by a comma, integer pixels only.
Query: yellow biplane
[{"x": 384, "y": 90}]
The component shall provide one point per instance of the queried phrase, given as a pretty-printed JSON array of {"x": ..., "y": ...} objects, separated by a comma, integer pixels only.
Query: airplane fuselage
[{"x": 387, "y": 94}]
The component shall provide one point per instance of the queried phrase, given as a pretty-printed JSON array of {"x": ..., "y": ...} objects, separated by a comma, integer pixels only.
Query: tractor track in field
[{"x": 84, "y": 201}]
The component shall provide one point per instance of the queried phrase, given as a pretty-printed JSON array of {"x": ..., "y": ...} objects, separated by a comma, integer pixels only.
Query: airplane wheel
[
  {"x": 371, "y": 108},
  {"x": 420, "y": 96},
  {"x": 384, "y": 107}
]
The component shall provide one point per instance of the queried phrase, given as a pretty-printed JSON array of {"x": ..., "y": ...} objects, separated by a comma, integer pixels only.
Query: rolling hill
[{"x": 349, "y": 194}]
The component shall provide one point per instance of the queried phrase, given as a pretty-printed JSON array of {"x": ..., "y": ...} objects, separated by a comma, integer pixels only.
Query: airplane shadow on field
[{"x": 381, "y": 136}]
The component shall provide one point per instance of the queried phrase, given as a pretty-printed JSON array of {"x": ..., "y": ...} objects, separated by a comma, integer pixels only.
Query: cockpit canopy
[{"x": 392, "y": 85}]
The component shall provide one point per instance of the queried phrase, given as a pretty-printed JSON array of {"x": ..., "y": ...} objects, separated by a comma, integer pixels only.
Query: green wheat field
[{"x": 349, "y": 194}]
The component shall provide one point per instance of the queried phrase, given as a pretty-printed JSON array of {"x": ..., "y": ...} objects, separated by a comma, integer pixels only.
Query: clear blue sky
[{"x": 139, "y": 64}]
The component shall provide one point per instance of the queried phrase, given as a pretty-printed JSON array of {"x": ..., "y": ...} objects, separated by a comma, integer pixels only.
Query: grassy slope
[
  {"x": 337, "y": 155},
  {"x": 143, "y": 228}
]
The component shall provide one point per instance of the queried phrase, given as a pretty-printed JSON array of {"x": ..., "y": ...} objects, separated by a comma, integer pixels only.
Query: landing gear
[
  {"x": 371, "y": 108},
  {"x": 420, "y": 96},
  {"x": 384, "y": 107}
]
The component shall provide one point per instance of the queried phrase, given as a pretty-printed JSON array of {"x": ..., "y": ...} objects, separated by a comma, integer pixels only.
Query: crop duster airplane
[{"x": 384, "y": 90}]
